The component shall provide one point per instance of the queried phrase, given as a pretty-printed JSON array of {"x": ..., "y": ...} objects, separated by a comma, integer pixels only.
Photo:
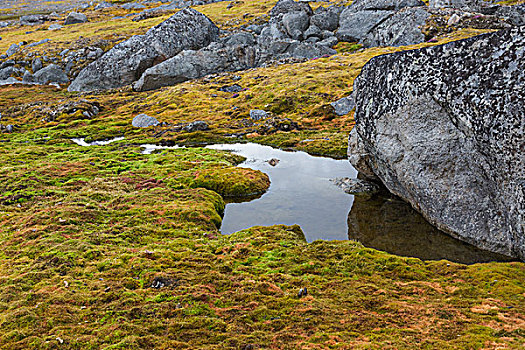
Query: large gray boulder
[
  {"x": 402, "y": 28},
  {"x": 326, "y": 19},
  {"x": 296, "y": 23},
  {"x": 74, "y": 18},
  {"x": 355, "y": 26},
  {"x": 389, "y": 5},
  {"x": 287, "y": 6},
  {"x": 192, "y": 64},
  {"x": 188, "y": 29},
  {"x": 51, "y": 74},
  {"x": 443, "y": 128}
]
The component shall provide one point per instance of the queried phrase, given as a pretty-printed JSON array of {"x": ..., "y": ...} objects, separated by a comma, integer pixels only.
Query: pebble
[
  {"x": 273, "y": 161},
  {"x": 302, "y": 292}
]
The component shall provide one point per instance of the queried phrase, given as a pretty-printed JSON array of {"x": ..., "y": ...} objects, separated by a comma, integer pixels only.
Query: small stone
[
  {"x": 302, "y": 292},
  {"x": 75, "y": 17},
  {"x": 231, "y": 88},
  {"x": 344, "y": 105},
  {"x": 144, "y": 121},
  {"x": 12, "y": 50},
  {"x": 258, "y": 114},
  {"x": 273, "y": 161},
  {"x": 198, "y": 125},
  {"x": 454, "y": 19},
  {"x": 55, "y": 26},
  {"x": 356, "y": 186}
]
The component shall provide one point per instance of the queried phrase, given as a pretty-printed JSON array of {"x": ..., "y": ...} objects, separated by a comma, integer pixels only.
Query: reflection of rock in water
[{"x": 387, "y": 223}]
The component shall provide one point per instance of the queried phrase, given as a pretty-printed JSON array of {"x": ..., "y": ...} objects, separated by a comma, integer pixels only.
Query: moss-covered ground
[{"x": 104, "y": 247}]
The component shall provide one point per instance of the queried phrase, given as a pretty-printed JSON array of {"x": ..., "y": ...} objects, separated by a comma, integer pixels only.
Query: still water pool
[{"x": 301, "y": 193}]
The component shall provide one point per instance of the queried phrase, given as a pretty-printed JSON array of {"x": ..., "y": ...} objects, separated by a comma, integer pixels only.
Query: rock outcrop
[
  {"x": 75, "y": 17},
  {"x": 191, "y": 64},
  {"x": 125, "y": 63},
  {"x": 443, "y": 128},
  {"x": 383, "y": 22},
  {"x": 187, "y": 46}
]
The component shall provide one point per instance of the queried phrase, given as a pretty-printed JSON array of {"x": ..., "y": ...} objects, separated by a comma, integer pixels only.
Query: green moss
[{"x": 105, "y": 247}]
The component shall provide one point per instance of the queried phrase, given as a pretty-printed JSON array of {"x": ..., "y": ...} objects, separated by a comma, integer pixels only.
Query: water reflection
[
  {"x": 300, "y": 193},
  {"x": 387, "y": 223}
]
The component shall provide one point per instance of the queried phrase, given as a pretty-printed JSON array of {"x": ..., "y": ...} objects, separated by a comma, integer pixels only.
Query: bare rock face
[
  {"x": 383, "y": 22},
  {"x": 191, "y": 64},
  {"x": 186, "y": 30},
  {"x": 443, "y": 128},
  {"x": 402, "y": 28}
]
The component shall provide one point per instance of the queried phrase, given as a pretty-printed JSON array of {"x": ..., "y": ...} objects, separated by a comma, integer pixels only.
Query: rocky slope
[
  {"x": 443, "y": 128},
  {"x": 291, "y": 31}
]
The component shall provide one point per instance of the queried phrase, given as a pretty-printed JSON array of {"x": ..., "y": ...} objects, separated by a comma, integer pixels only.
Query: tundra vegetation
[{"x": 104, "y": 247}]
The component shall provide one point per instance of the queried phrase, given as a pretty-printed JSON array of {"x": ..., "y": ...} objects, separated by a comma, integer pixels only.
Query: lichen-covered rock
[
  {"x": 74, "y": 18},
  {"x": 456, "y": 4},
  {"x": 389, "y": 5},
  {"x": 403, "y": 28},
  {"x": 123, "y": 64},
  {"x": 144, "y": 121},
  {"x": 355, "y": 26},
  {"x": 513, "y": 14},
  {"x": 51, "y": 74},
  {"x": 191, "y": 64},
  {"x": 443, "y": 128}
]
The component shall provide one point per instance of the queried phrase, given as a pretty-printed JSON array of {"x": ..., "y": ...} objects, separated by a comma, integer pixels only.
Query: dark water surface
[{"x": 301, "y": 193}]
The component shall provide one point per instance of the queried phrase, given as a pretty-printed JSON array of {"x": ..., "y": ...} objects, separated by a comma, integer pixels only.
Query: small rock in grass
[
  {"x": 198, "y": 125},
  {"x": 75, "y": 17},
  {"x": 55, "y": 26},
  {"x": 144, "y": 121},
  {"x": 344, "y": 105},
  {"x": 258, "y": 114},
  {"x": 231, "y": 88}
]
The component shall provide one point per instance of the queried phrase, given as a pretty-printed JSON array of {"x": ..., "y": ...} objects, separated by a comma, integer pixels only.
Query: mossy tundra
[{"x": 104, "y": 247}]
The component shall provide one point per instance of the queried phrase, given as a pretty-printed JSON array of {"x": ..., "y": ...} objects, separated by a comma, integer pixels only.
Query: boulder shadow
[{"x": 385, "y": 222}]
